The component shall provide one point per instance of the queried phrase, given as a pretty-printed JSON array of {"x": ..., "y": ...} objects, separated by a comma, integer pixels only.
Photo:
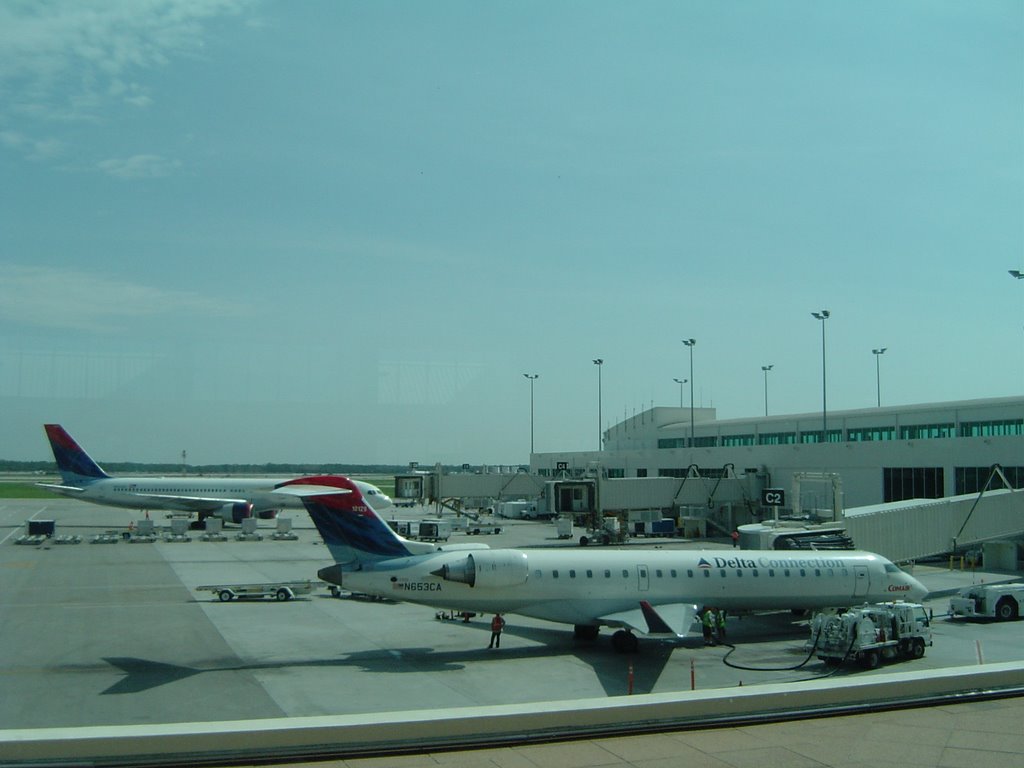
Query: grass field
[{"x": 17, "y": 490}]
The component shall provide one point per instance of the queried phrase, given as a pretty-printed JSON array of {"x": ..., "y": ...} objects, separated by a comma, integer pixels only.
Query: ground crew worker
[
  {"x": 497, "y": 624},
  {"x": 707, "y": 622},
  {"x": 721, "y": 625},
  {"x": 735, "y": 536}
]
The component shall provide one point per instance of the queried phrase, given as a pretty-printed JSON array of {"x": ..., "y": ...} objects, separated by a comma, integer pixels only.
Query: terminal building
[{"x": 876, "y": 455}]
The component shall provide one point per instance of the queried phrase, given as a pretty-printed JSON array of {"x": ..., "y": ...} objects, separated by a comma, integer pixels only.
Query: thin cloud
[
  {"x": 71, "y": 61},
  {"x": 65, "y": 298},
  {"x": 33, "y": 149},
  {"x": 139, "y": 167}
]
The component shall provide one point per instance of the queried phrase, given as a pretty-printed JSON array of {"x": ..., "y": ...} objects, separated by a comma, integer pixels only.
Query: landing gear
[
  {"x": 625, "y": 641},
  {"x": 585, "y": 632}
]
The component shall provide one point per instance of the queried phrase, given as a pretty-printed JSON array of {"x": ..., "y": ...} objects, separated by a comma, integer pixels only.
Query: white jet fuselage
[
  {"x": 580, "y": 586},
  {"x": 185, "y": 494}
]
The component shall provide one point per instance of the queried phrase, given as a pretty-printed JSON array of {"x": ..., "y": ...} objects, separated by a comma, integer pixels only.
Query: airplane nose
[{"x": 918, "y": 591}]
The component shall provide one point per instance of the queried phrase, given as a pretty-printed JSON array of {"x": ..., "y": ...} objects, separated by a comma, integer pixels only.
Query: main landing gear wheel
[
  {"x": 585, "y": 632},
  {"x": 625, "y": 642}
]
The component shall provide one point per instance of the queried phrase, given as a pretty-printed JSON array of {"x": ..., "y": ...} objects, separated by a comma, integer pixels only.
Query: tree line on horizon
[{"x": 131, "y": 467}]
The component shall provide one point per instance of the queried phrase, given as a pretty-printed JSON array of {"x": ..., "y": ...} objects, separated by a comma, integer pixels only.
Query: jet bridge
[
  {"x": 919, "y": 528},
  {"x": 909, "y": 530}
]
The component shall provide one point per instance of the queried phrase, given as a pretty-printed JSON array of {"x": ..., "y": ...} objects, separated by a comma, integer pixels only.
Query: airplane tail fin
[
  {"x": 73, "y": 463},
  {"x": 347, "y": 521}
]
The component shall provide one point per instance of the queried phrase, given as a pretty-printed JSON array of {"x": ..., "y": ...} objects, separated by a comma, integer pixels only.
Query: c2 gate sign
[{"x": 773, "y": 497}]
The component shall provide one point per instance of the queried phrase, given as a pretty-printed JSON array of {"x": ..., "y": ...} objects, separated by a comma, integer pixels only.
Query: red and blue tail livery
[
  {"x": 344, "y": 511},
  {"x": 73, "y": 463}
]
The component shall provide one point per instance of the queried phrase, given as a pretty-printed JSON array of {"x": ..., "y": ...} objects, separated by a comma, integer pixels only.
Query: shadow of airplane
[{"x": 610, "y": 668}]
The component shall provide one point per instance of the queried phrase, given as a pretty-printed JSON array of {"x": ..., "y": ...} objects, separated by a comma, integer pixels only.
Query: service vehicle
[
  {"x": 995, "y": 601},
  {"x": 433, "y": 530},
  {"x": 478, "y": 529},
  {"x": 870, "y": 633},
  {"x": 279, "y": 590},
  {"x": 563, "y": 527},
  {"x": 610, "y": 532}
]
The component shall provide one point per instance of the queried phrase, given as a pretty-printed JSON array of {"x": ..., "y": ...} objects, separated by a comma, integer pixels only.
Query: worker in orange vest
[{"x": 497, "y": 624}]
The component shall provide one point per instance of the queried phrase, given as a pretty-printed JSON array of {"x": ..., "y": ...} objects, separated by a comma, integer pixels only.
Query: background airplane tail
[
  {"x": 73, "y": 463},
  {"x": 348, "y": 524}
]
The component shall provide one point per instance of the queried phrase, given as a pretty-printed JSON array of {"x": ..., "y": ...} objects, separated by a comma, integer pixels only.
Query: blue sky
[{"x": 343, "y": 231}]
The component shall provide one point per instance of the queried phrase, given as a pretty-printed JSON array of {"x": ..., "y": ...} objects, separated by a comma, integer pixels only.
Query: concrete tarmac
[{"x": 117, "y": 633}]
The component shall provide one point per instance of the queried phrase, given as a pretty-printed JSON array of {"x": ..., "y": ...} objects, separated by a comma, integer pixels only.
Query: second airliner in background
[{"x": 230, "y": 498}]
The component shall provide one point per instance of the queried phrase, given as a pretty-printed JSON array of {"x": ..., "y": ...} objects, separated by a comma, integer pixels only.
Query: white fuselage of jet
[
  {"x": 187, "y": 494},
  {"x": 577, "y": 586}
]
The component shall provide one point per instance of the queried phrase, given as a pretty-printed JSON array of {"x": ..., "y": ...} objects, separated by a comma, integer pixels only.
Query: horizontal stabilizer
[
  {"x": 670, "y": 620},
  {"x": 65, "y": 489}
]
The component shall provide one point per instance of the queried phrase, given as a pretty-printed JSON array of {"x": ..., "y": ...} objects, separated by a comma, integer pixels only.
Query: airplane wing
[
  {"x": 212, "y": 503},
  {"x": 668, "y": 620},
  {"x": 187, "y": 503}
]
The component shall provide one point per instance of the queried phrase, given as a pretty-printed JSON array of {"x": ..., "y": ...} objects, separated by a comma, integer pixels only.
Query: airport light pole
[
  {"x": 1016, "y": 273},
  {"x": 599, "y": 362},
  {"x": 823, "y": 316},
  {"x": 680, "y": 382},
  {"x": 878, "y": 372},
  {"x": 766, "y": 368},
  {"x": 690, "y": 343},
  {"x": 532, "y": 377}
]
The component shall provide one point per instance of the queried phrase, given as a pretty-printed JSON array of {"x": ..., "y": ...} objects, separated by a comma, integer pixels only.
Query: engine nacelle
[
  {"x": 235, "y": 513},
  {"x": 331, "y": 574},
  {"x": 267, "y": 514},
  {"x": 494, "y": 568}
]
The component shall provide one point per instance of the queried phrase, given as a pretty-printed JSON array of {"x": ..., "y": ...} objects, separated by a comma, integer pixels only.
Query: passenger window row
[{"x": 691, "y": 573}]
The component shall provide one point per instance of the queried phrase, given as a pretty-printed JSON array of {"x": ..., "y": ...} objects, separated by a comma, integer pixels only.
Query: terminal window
[
  {"x": 814, "y": 436},
  {"x": 870, "y": 434},
  {"x": 926, "y": 432},
  {"x": 1004, "y": 428},
  {"x": 973, "y": 479},
  {"x": 732, "y": 441},
  {"x": 901, "y": 483}
]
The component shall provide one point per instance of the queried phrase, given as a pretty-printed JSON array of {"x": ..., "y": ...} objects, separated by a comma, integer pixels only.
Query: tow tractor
[
  {"x": 279, "y": 590},
  {"x": 871, "y": 633},
  {"x": 997, "y": 601}
]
